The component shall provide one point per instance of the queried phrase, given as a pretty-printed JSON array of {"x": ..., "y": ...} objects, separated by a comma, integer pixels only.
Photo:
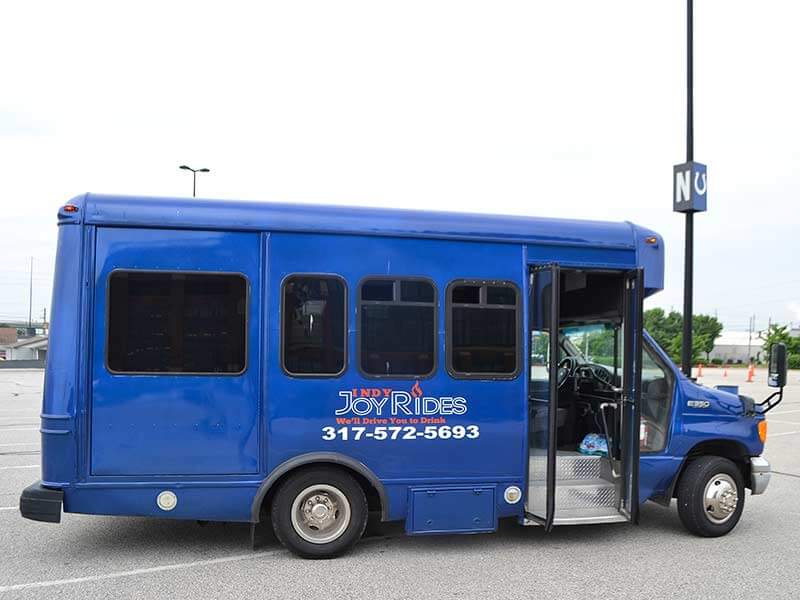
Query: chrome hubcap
[
  {"x": 320, "y": 513},
  {"x": 721, "y": 498}
]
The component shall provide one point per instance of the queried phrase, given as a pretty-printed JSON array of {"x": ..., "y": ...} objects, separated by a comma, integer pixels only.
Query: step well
[{"x": 586, "y": 492}]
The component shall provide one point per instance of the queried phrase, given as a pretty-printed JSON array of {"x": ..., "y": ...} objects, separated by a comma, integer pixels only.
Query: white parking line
[
  {"x": 21, "y": 444},
  {"x": 9, "y": 507},
  {"x": 19, "y": 467},
  {"x": 772, "y": 435},
  {"x": 20, "y": 429},
  {"x": 785, "y": 422},
  {"x": 134, "y": 572}
]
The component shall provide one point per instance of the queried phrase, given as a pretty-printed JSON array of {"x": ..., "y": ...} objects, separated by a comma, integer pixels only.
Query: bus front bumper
[
  {"x": 39, "y": 503},
  {"x": 760, "y": 472}
]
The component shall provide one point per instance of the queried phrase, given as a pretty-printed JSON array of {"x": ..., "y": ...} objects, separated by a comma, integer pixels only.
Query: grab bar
[{"x": 609, "y": 445}]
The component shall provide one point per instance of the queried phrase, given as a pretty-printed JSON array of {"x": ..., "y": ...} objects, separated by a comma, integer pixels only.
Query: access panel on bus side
[
  {"x": 176, "y": 353},
  {"x": 386, "y": 393}
]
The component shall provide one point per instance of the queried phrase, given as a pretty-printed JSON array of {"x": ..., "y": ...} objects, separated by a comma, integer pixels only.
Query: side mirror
[{"x": 776, "y": 376}]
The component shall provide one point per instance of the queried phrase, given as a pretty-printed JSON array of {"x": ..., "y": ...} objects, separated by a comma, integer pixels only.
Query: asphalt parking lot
[{"x": 99, "y": 557}]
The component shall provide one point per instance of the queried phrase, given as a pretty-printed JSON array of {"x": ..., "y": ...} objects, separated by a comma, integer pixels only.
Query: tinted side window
[
  {"x": 314, "y": 325},
  {"x": 397, "y": 330},
  {"x": 176, "y": 322},
  {"x": 483, "y": 329}
]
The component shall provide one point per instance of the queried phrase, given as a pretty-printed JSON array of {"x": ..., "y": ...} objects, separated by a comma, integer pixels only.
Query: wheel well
[
  {"x": 734, "y": 451},
  {"x": 373, "y": 496}
]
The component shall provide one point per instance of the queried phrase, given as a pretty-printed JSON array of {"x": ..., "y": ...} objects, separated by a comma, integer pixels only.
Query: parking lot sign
[{"x": 689, "y": 187}]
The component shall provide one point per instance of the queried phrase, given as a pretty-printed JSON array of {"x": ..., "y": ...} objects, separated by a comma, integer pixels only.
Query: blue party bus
[{"x": 305, "y": 368}]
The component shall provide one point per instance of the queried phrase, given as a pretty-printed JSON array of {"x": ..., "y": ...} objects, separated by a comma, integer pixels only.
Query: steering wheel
[{"x": 565, "y": 368}]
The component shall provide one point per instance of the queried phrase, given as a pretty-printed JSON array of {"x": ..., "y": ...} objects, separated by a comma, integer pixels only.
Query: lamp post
[
  {"x": 194, "y": 176},
  {"x": 689, "y": 195}
]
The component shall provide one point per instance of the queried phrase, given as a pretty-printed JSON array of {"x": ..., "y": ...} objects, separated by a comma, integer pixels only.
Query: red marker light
[
  {"x": 70, "y": 208},
  {"x": 651, "y": 240}
]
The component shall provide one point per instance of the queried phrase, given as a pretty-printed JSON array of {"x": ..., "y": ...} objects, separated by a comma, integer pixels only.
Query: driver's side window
[{"x": 656, "y": 401}]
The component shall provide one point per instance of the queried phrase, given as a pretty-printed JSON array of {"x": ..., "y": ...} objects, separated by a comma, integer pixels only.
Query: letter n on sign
[{"x": 689, "y": 187}]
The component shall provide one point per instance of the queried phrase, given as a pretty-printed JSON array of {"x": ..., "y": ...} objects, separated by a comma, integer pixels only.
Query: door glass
[
  {"x": 656, "y": 397},
  {"x": 540, "y": 402}
]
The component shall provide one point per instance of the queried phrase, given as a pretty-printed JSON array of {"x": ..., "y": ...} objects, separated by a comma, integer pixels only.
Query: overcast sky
[{"x": 569, "y": 109}]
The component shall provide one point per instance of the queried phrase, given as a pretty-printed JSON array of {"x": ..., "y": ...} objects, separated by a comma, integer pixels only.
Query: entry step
[
  {"x": 577, "y": 494},
  {"x": 570, "y": 466}
]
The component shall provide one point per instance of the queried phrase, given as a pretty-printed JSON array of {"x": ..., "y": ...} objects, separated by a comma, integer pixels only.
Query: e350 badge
[{"x": 698, "y": 403}]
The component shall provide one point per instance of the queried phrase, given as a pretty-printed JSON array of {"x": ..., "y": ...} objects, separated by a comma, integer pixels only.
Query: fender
[
  {"x": 316, "y": 458},
  {"x": 695, "y": 451}
]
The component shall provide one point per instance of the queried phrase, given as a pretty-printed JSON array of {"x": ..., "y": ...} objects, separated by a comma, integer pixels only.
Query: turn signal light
[
  {"x": 651, "y": 240},
  {"x": 70, "y": 208},
  {"x": 762, "y": 431}
]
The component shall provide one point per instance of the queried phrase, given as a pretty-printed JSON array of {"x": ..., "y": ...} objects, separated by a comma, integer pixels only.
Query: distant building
[
  {"x": 32, "y": 348},
  {"x": 737, "y": 347},
  {"x": 8, "y": 336}
]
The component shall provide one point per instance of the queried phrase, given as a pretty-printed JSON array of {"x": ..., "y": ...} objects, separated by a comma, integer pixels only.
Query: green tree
[
  {"x": 706, "y": 330},
  {"x": 667, "y": 330},
  {"x": 699, "y": 344},
  {"x": 776, "y": 334},
  {"x": 664, "y": 328}
]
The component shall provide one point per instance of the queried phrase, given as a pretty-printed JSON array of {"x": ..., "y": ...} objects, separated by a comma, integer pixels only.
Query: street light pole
[
  {"x": 689, "y": 195},
  {"x": 30, "y": 298},
  {"x": 194, "y": 176},
  {"x": 688, "y": 268}
]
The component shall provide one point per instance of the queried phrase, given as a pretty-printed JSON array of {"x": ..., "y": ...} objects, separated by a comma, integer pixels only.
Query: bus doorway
[{"x": 584, "y": 373}]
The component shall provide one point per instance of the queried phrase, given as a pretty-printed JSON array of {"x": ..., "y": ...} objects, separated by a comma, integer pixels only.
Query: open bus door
[
  {"x": 630, "y": 402},
  {"x": 565, "y": 486},
  {"x": 543, "y": 393}
]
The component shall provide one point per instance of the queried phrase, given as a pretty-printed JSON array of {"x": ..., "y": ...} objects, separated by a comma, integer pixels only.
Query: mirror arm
[{"x": 768, "y": 402}]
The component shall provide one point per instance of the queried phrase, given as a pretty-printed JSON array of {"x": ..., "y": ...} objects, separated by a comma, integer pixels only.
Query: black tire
[
  {"x": 296, "y": 484},
  {"x": 694, "y": 509}
]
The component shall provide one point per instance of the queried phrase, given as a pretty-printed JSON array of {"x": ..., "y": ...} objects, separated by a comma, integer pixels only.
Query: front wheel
[
  {"x": 711, "y": 496},
  {"x": 319, "y": 513}
]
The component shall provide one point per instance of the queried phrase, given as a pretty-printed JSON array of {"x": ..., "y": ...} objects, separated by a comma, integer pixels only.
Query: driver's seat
[{"x": 538, "y": 417}]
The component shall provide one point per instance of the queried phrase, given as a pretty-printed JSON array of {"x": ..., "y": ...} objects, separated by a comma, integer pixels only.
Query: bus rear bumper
[
  {"x": 39, "y": 503},
  {"x": 760, "y": 472}
]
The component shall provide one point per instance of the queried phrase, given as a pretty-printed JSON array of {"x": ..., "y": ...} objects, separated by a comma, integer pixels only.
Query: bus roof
[{"x": 191, "y": 213}]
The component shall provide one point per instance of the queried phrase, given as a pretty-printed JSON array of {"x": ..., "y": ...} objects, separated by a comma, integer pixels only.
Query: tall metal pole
[
  {"x": 30, "y": 298},
  {"x": 688, "y": 274},
  {"x": 194, "y": 183}
]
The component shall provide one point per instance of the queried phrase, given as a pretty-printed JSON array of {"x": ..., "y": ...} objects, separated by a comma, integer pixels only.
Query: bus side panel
[
  {"x": 300, "y": 407},
  {"x": 60, "y": 399},
  {"x": 175, "y": 424}
]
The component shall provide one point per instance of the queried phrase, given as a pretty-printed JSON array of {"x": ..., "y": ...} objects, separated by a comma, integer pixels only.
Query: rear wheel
[
  {"x": 319, "y": 512},
  {"x": 711, "y": 496}
]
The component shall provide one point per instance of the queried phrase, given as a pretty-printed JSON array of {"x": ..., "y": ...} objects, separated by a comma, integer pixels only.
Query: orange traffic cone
[
  {"x": 699, "y": 369},
  {"x": 751, "y": 371}
]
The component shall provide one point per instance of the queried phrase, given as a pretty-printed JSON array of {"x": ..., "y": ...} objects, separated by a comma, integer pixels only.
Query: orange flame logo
[{"x": 416, "y": 391}]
